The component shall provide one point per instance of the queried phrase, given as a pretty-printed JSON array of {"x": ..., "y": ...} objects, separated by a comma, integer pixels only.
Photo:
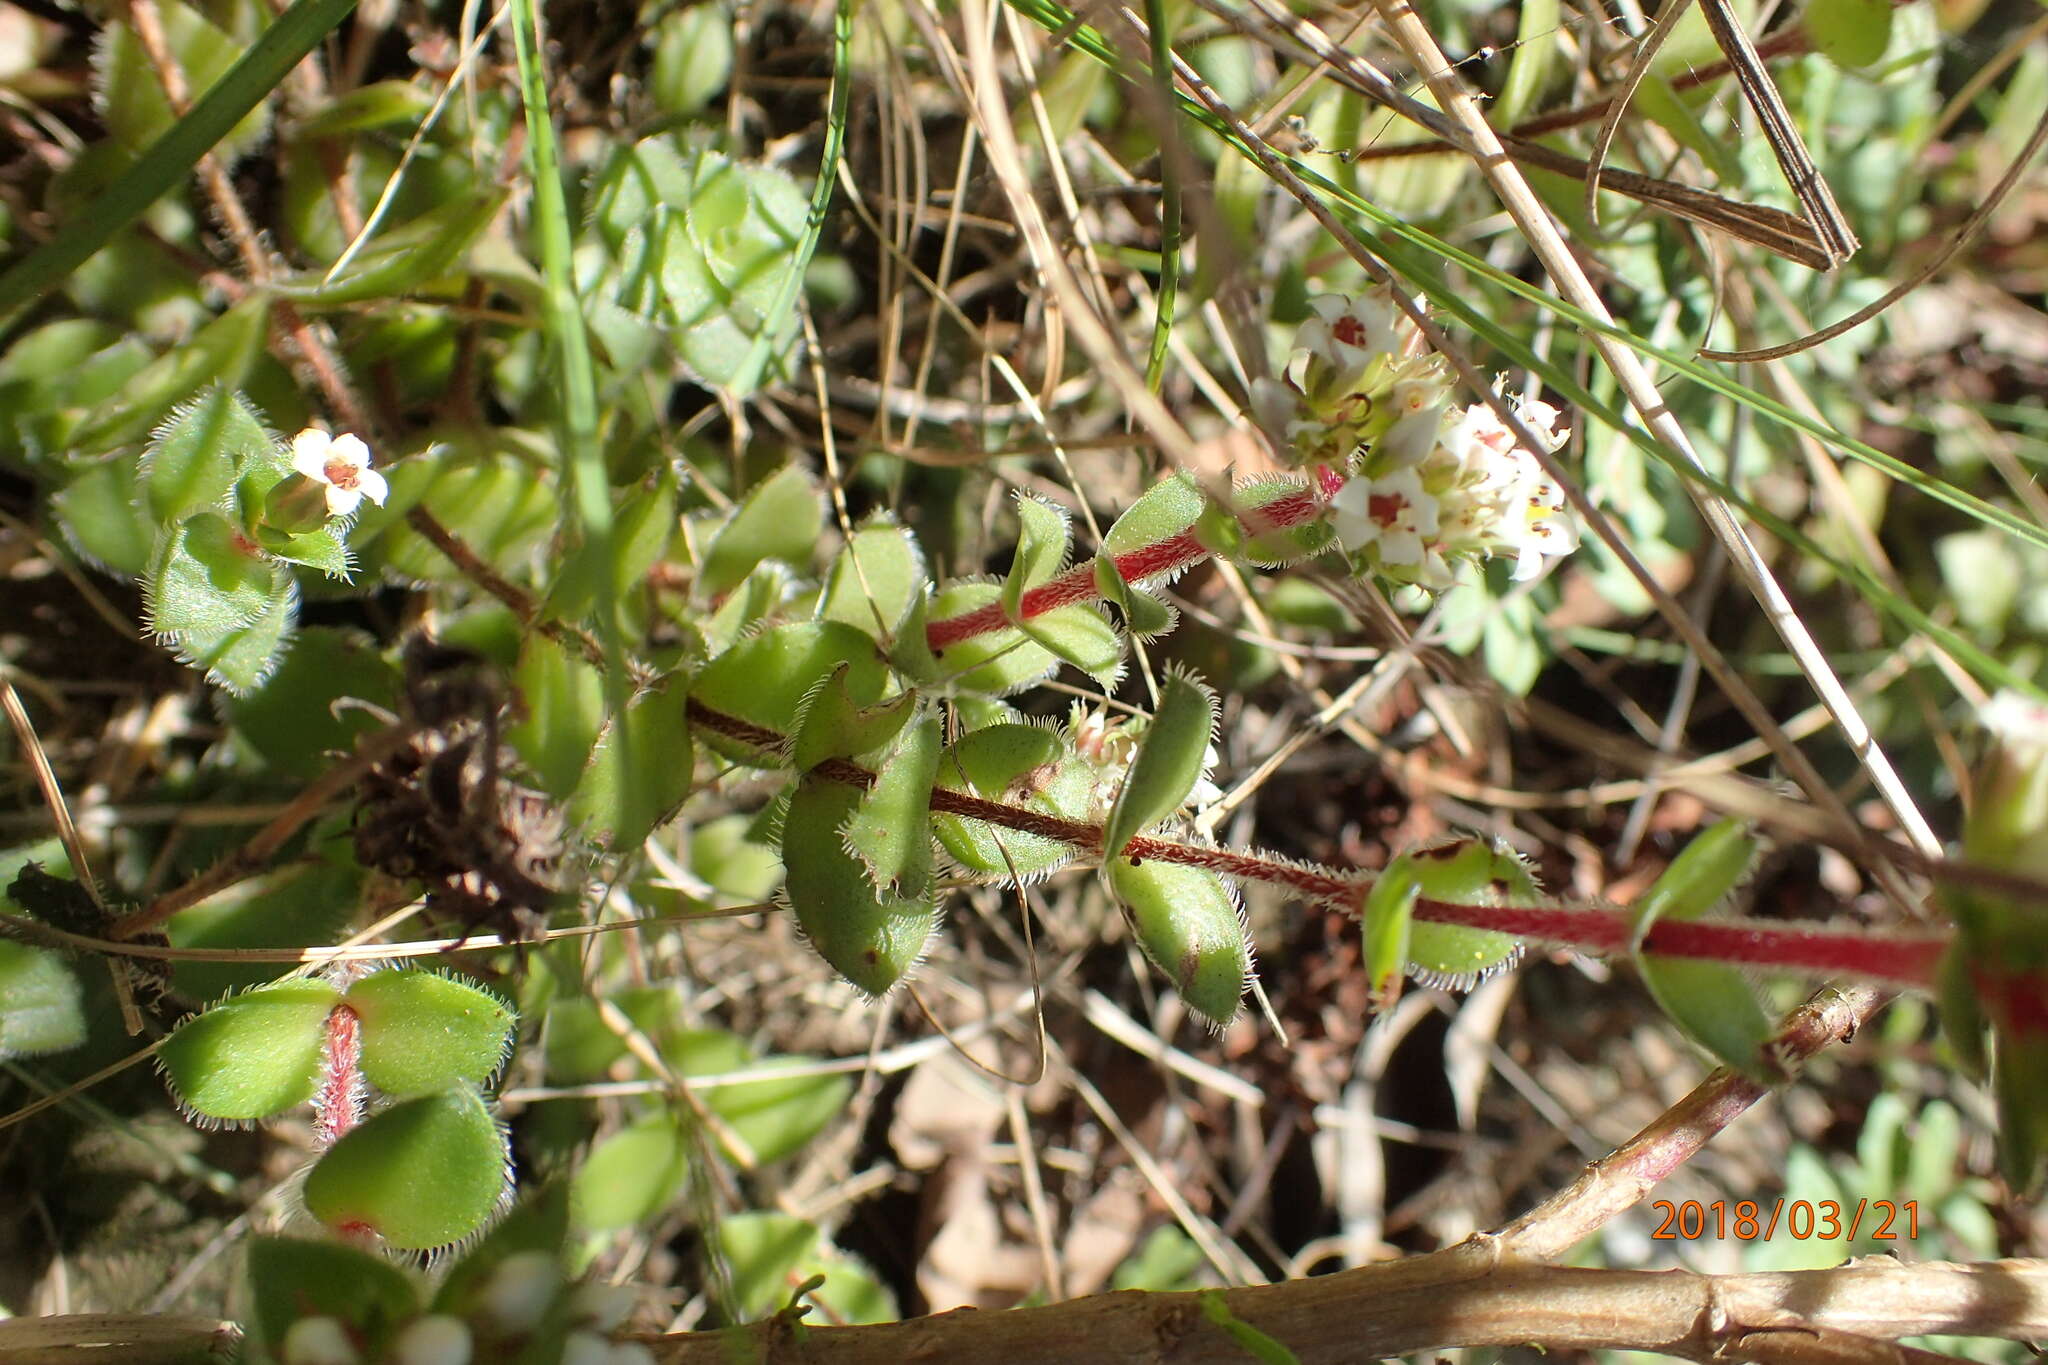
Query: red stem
[
  {"x": 338, "y": 1104},
  {"x": 1780, "y": 945},
  {"x": 1147, "y": 561}
]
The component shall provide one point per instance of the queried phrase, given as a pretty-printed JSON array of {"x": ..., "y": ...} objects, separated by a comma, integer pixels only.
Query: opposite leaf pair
[{"x": 427, "y": 1170}]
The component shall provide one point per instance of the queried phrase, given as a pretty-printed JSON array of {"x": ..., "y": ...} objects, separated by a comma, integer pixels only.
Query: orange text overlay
[{"x": 1749, "y": 1220}]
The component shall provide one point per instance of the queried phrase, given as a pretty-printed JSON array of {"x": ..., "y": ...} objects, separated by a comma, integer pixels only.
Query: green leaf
[
  {"x": 779, "y": 519},
  {"x": 562, "y": 695},
  {"x": 1700, "y": 878},
  {"x": 41, "y": 1007},
  {"x": 1167, "y": 509},
  {"x": 423, "y": 1032},
  {"x": 131, "y": 96},
  {"x": 1536, "y": 47},
  {"x": 192, "y": 461},
  {"x": 425, "y": 1173},
  {"x": 100, "y": 518},
  {"x": 770, "y": 1255},
  {"x": 242, "y": 658},
  {"x": 482, "y": 487},
  {"x": 891, "y": 830},
  {"x": 869, "y": 937},
  {"x": 165, "y": 165},
  {"x": 293, "y": 1277},
  {"x": 631, "y": 1176},
  {"x": 763, "y": 680},
  {"x": 640, "y": 771},
  {"x": 1168, "y": 763},
  {"x": 294, "y": 722},
  {"x": 1386, "y": 925},
  {"x": 693, "y": 54},
  {"x": 1022, "y": 765},
  {"x": 831, "y": 724},
  {"x": 298, "y": 905},
  {"x": 1286, "y": 545},
  {"x": 1190, "y": 925},
  {"x": 380, "y": 105},
  {"x": 1711, "y": 1003},
  {"x": 777, "y": 1116},
  {"x": 399, "y": 261},
  {"x": 724, "y": 262},
  {"x": 1466, "y": 872},
  {"x": 252, "y": 1056},
  {"x": 998, "y": 662},
  {"x": 1145, "y": 616},
  {"x": 1849, "y": 33},
  {"x": 220, "y": 353},
  {"x": 874, "y": 580},
  {"x": 1042, "y": 538},
  {"x": 1082, "y": 636}
]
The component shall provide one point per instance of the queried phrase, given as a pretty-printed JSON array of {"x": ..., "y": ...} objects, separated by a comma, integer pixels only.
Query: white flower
[
  {"x": 1350, "y": 332},
  {"x": 1392, "y": 514},
  {"x": 343, "y": 464}
]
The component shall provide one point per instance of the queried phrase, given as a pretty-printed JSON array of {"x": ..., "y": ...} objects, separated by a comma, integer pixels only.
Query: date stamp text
[{"x": 1749, "y": 1220}]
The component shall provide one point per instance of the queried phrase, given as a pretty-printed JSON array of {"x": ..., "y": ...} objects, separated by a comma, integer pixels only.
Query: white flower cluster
[
  {"x": 512, "y": 1304},
  {"x": 1429, "y": 486},
  {"x": 341, "y": 465},
  {"x": 1475, "y": 493}
]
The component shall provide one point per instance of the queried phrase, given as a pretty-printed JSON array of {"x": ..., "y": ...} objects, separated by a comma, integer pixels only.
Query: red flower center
[
  {"x": 1385, "y": 508},
  {"x": 1349, "y": 330},
  {"x": 340, "y": 473}
]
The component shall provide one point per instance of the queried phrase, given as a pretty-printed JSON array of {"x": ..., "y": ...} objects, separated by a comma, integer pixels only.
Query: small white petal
[
  {"x": 342, "y": 502},
  {"x": 435, "y": 1340},
  {"x": 318, "y": 1341},
  {"x": 371, "y": 485},
  {"x": 520, "y": 1289},
  {"x": 351, "y": 451},
  {"x": 309, "y": 453}
]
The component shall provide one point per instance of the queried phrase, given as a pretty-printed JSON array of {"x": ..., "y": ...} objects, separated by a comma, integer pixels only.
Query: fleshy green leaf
[
  {"x": 398, "y": 261},
  {"x": 422, "y": 1031},
  {"x": 631, "y": 1176},
  {"x": 1700, "y": 878},
  {"x": 764, "y": 678},
  {"x": 1145, "y": 616},
  {"x": 1712, "y": 1003},
  {"x": 771, "y": 1254},
  {"x": 640, "y": 770},
  {"x": 242, "y": 658},
  {"x": 1387, "y": 919},
  {"x": 1466, "y": 872},
  {"x": 1849, "y": 33},
  {"x": 425, "y": 1173},
  {"x": 1042, "y": 536},
  {"x": 693, "y": 51},
  {"x": 776, "y": 1116},
  {"x": 253, "y": 1056},
  {"x": 1191, "y": 926},
  {"x": 1082, "y": 636},
  {"x": 1285, "y": 545},
  {"x": 870, "y": 937},
  {"x": 779, "y": 519},
  {"x": 891, "y": 829},
  {"x": 998, "y": 662},
  {"x": 293, "y": 721},
  {"x": 563, "y": 698},
  {"x": 1168, "y": 508},
  {"x": 830, "y": 724},
  {"x": 98, "y": 515},
  {"x": 41, "y": 1008},
  {"x": 220, "y": 353},
  {"x": 295, "y": 1277},
  {"x": 1168, "y": 763},
  {"x": 874, "y": 580},
  {"x": 1024, "y": 765},
  {"x": 191, "y": 462}
]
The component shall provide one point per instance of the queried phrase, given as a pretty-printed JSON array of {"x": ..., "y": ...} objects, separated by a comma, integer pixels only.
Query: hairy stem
[
  {"x": 1807, "y": 949},
  {"x": 1077, "y": 584}
]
